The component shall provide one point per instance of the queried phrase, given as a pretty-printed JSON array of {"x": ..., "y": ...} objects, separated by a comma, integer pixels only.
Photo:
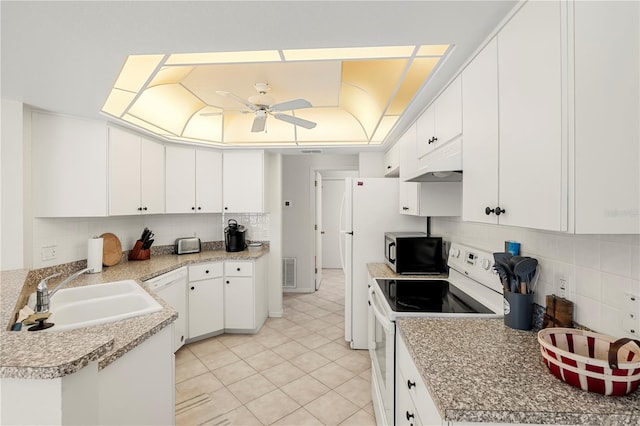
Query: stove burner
[{"x": 415, "y": 303}]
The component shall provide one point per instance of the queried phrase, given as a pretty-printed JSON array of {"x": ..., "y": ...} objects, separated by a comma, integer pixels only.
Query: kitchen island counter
[
  {"x": 51, "y": 354},
  {"x": 479, "y": 370}
]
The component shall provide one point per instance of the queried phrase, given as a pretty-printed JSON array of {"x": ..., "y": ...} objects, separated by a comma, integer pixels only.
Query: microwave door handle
[
  {"x": 383, "y": 320},
  {"x": 391, "y": 257}
]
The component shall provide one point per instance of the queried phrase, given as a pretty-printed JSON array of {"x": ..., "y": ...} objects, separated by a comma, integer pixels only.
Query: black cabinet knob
[
  {"x": 193, "y": 208},
  {"x": 227, "y": 282},
  {"x": 226, "y": 208},
  {"x": 206, "y": 272},
  {"x": 238, "y": 269},
  {"x": 411, "y": 384},
  {"x": 388, "y": 167},
  {"x": 369, "y": 302},
  {"x": 144, "y": 208},
  {"x": 193, "y": 288},
  {"x": 488, "y": 211},
  {"x": 139, "y": 209},
  {"x": 409, "y": 416},
  {"x": 199, "y": 208},
  {"x": 435, "y": 139},
  {"x": 499, "y": 211}
]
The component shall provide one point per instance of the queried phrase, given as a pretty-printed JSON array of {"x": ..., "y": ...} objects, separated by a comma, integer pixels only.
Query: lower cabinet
[
  {"x": 414, "y": 405},
  {"x": 206, "y": 299},
  {"x": 245, "y": 295}
]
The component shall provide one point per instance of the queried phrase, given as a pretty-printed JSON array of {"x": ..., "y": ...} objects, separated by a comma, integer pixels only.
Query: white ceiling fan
[{"x": 262, "y": 105}]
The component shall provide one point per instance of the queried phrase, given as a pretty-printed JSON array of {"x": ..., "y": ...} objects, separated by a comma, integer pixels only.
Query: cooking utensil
[
  {"x": 502, "y": 260},
  {"x": 524, "y": 270},
  {"x": 111, "y": 249}
]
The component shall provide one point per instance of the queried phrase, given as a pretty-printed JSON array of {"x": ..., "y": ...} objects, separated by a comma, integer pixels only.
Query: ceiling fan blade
[
  {"x": 258, "y": 124},
  {"x": 236, "y": 98},
  {"x": 296, "y": 120},
  {"x": 289, "y": 105}
]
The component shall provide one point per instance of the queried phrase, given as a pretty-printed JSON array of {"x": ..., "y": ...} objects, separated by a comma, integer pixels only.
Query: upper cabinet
[
  {"x": 193, "y": 180},
  {"x": 243, "y": 182},
  {"x": 136, "y": 174},
  {"x": 392, "y": 161},
  {"x": 607, "y": 107},
  {"x": 69, "y": 166},
  {"x": 441, "y": 122}
]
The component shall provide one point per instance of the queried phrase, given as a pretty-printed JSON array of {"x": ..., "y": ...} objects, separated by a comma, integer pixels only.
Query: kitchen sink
[{"x": 99, "y": 304}]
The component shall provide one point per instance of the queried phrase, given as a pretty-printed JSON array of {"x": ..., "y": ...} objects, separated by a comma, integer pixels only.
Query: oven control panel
[{"x": 474, "y": 263}]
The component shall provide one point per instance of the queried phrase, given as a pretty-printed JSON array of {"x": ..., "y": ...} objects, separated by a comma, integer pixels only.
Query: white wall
[
  {"x": 298, "y": 173},
  {"x": 273, "y": 199},
  {"x": 599, "y": 268},
  {"x": 371, "y": 164},
  {"x": 11, "y": 199}
]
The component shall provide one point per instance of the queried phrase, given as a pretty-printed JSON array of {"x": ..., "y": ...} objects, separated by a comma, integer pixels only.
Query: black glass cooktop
[{"x": 429, "y": 296}]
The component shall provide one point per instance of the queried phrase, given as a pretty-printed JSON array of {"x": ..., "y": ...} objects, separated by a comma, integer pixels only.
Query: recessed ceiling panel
[
  {"x": 334, "y": 124},
  {"x": 416, "y": 76}
]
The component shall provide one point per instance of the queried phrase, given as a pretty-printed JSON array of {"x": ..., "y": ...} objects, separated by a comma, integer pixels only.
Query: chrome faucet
[{"x": 43, "y": 295}]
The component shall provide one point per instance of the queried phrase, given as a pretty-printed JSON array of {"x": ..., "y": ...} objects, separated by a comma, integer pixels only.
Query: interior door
[{"x": 318, "y": 230}]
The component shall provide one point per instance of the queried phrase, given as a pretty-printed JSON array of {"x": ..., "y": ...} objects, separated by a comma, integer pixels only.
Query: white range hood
[{"x": 442, "y": 165}]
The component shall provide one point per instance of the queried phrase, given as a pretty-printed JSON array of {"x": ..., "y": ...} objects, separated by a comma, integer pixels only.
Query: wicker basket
[{"x": 590, "y": 361}]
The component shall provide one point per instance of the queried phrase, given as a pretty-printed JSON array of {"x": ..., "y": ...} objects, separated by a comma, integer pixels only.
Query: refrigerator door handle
[{"x": 340, "y": 237}]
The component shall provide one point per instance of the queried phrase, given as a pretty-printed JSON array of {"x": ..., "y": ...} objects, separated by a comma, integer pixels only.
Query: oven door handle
[{"x": 382, "y": 319}]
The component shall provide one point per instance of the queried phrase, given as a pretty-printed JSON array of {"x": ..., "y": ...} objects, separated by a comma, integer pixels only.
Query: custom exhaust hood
[{"x": 441, "y": 165}]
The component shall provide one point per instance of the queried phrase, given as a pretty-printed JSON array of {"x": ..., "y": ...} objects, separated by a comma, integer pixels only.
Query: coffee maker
[{"x": 234, "y": 236}]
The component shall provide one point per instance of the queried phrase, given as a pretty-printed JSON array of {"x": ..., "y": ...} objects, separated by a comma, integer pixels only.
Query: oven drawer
[{"x": 412, "y": 383}]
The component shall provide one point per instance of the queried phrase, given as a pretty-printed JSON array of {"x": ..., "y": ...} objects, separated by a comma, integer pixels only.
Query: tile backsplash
[
  {"x": 70, "y": 235},
  {"x": 601, "y": 271}
]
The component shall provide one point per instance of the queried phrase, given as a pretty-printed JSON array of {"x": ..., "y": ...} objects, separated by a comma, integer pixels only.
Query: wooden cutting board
[{"x": 111, "y": 249}]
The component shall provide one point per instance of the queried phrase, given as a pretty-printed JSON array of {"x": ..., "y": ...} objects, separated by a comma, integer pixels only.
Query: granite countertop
[
  {"x": 381, "y": 270},
  {"x": 48, "y": 355},
  {"x": 479, "y": 370}
]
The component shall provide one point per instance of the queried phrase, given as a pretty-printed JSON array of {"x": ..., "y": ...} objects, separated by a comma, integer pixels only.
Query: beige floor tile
[
  {"x": 248, "y": 349},
  {"x": 300, "y": 417},
  {"x": 332, "y": 375},
  {"x": 317, "y": 324},
  {"x": 333, "y": 318},
  {"x": 290, "y": 350},
  {"x": 356, "y": 361},
  {"x": 251, "y": 388},
  {"x": 204, "y": 383},
  {"x": 207, "y": 346},
  {"x": 331, "y": 408},
  {"x": 369, "y": 409},
  {"x": 313, "y": 341},
  {"x": 241, "y": 416},
  {"x": 219, "y": 359},
  {"x": 272, "y": 406},
  {"x": 366, "y": 374},
  {"x": 206, "y": 409},
  {"x": 234, "y": 372},
  {"x": 332, "y": 351},
  {"x": 332, "y": 332},
  {"x": 360, "y": 418},
  {"x": 231, "y": 340},
  {"x": 296, "y": 332},
  {"x": 280, "y": 324},
  {"x": 309, "y": 361},
  {"x": 283, "y": 373},
  {"x": 189, "y": 369},
  {"x": 356, "y": 390},
  {"x": 305, "y": 389},
  {"x": 183, "y": 355},
  {"x": 317, "y": 312},
  {"x": 273, "y": 340},
  {"x": 264, "y": 360}
]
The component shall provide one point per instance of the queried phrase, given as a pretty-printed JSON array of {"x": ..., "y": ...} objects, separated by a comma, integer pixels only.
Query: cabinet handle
[
  {"x": 238, "y": 269},
  {"x": 144, "y": 208},
  {"x": 199, "y": 208},
  {"x": 227, "y": 282},
  {"x": 388, "y": 167},
  {"x": 430, "y": 141},
  {"x": 193, "y": 288},
  {"x": 206, "y": 272},
  {"x": 409, "y": 416},
  {"x": 226, "y": 208},
  {"x": 193, "y": 208},
  {"x": 499, "y": 211},
  {"x": 405, "y": 208},
  {"x": 369, "y": 302},
  {"x": 411, "y": 384},
  {"x": 139, "y": 209}
]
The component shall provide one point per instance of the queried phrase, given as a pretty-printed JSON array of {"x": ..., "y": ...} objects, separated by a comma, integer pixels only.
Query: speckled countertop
[
  {"x": 381, "y": 270},
  {"x": 48, "y": 355},
  {"x": 479, "y": 370}
]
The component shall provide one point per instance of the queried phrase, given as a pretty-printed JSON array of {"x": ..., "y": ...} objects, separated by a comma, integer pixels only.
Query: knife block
[{"x": 137, "y": 253}]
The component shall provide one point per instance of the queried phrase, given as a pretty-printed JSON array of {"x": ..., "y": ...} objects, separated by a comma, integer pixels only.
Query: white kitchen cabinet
[
  {"x": 607, "y": 107},
  {"x": 172, "y": 288},
  {"x": 414, "y": 404},
  {"x": 136, "y": 174},
  {"x": 206, "y": 300},
  {"x": 243, "y": 182},
  {"x": 68, "y": 166},
  {"x": 245, "y": 295},
  {"x": 193, "y": 180},
  {"x": 392, "y": 161},
  {"x": 532, "y": 187},
  {"x": 441, "y": 123}
]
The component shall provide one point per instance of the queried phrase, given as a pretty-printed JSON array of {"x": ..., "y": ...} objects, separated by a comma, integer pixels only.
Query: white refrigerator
[{"x": 370, "y": 208}]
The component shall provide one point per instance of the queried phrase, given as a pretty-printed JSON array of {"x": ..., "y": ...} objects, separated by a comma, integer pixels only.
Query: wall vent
[
  {"x": 311, "y": 151},
  {"x": 289, "y": 272}
]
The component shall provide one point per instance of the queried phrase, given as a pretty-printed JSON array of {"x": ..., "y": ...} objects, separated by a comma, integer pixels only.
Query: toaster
[{"x": 188, "y": 245}]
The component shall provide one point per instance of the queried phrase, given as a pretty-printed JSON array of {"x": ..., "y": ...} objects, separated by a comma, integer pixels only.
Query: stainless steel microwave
[{"x": 413, "y": 253}]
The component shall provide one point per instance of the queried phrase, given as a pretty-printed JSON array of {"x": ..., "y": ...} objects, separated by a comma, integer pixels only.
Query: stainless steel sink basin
[{"x": 99, "y": 304}]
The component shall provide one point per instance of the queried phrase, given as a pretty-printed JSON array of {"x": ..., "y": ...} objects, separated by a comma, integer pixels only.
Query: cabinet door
[
  {"x": 530, "y": 130},
  {"x": 449, "y": 114},
  {"x": 208, "y": 181},
  {"x": 206, "y": 307},
  {"x": 180, "y": 179},
  {"x": 425, "y": 132},
  {"x": 480, "y": 141},
  {"x": 239, "y": 306},
  {"x": 176, "y": 296},
  {"x": 607, "y": 107},
  {"x": 408, "y": 161},
  {"x": 243, "y": 182},
  {"x": 409, "y": 198},
  {"x": 124, "y": 173},
  {"x": 392, "y": 161},
  {"x": 152, "y": 177},
  {"x": 69, "y": 166}
]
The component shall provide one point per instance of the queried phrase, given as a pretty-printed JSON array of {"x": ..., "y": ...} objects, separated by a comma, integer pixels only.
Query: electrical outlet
[
  {"x": 562, "y": 287},
  {"x": 48, "y": 252}
]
